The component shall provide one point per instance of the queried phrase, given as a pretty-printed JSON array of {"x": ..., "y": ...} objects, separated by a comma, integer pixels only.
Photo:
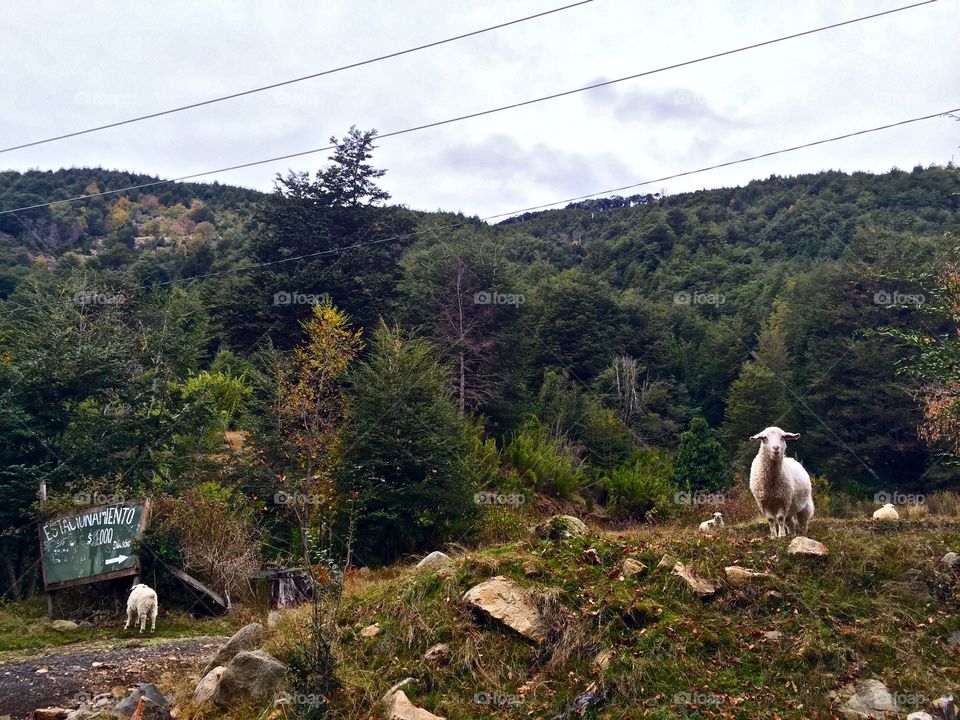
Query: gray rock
[
  {"x": 632, "y": 567},
  {"x": 246, "y": 638},
  {"x": 953, "y": 639},
  {"x": 805, "y": 546},
  {"x": 159, "y": 705},
  {"x": 396, "y": 687},
  {"x": 560, "y": 527},
  {"x": 400, "y": 708},
  {"x": 509, "y": 603},
  {"x": 700, "y": 586},
  {"x": 920, "y": 715},
  {"x": 951, "y": 559},
  {"x": 434, "y": 561},
  {"x": 274, "y": 618},
  {"x": 253, "y": 674},
  {"x": 64, "y": 625},
  {"x": 207, "y": 687},
  {"x": 737, "y": 575},
  {"x": 870, "y": 699}
]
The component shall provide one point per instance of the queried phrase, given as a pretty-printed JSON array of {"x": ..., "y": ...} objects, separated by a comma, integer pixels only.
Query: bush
[
  {"x": 642, "y": 488},
  {"x": 543, "y": 464}
]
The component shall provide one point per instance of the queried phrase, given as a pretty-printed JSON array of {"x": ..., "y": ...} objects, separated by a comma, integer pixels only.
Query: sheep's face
[
  {"x": 773, "y": 441},
  {"x": 717, "y": 516}
]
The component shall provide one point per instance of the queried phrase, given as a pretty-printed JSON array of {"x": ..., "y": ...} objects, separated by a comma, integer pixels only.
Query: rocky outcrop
[
  {"x": 246, "y": 638},
  {"x": 399, "y": 707},
  {"x": 698, "y": 585},
  {"x": 560, "y": 527},
  {"x": 869, "y": 699},
  {"x": 207, "y": 687},
  {"x": 254, "y": 675},
  {"x": 434, "y": 561},
  {"x": 510, "y": 604},
  {"x": 805, "y": 546}
]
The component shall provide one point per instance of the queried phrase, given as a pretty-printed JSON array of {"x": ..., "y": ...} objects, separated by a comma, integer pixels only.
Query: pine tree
[{"x": 699, "y": 461}]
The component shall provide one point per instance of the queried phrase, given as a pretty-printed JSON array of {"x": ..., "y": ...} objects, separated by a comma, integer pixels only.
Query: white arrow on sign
[{"x": 117, "y": 560}]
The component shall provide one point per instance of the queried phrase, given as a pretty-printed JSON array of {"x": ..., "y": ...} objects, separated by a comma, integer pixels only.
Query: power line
[
  {"x": 468, "y": 116},
  {"x": 453, "y": 226},
  {"x": 282, "y": 83}
]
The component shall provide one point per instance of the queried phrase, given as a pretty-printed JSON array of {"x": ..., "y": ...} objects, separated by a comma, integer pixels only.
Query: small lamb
[
  {"x": 143, "y": 602},
  {"x": 707, "y": 526},
  {"x": 780, "y": 485},
  {"x": 887, "y": 512}
]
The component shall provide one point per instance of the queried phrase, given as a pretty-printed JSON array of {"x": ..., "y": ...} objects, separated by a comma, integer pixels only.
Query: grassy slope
[{"x": 879, "y": 606}]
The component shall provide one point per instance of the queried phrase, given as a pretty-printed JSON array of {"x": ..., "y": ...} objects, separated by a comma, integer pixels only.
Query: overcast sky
[{"x": 68, "y": 66}]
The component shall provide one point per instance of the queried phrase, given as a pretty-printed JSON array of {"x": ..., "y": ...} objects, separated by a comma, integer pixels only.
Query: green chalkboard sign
[{"x": 93, "y": 545}]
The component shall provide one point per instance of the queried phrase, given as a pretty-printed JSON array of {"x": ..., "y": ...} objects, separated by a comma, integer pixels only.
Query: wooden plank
[
  {"x": 127, "y": 572},
  {"x": 197, "y": 585}
]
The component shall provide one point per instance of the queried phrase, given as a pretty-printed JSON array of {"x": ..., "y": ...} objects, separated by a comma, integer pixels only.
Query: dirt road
[{"x": 65, "y": 677}]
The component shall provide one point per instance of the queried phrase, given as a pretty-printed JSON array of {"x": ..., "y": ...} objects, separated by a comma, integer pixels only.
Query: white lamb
[
  {"x": 780, "y": 485},
  {"x": 887, "y": 512},
  {"x": 143, "y": 602},
  {"x": 708, "y": 526}
]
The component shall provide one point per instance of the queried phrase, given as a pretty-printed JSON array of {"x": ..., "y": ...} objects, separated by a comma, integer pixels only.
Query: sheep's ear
[
  {"x": 758, "y": 436},
  {"x": 791, "y": 436}
]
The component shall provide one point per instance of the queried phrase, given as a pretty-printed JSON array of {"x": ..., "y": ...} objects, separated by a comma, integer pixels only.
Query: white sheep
[
  {"x": 143, "y": 602},
  {"x": 887, "y": 512},
  {"x": 707, "y": 526},
  {"x": 780, "y": 485}
]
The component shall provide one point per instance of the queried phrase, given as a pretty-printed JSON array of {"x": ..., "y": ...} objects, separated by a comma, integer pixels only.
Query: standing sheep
[
  {"x": 708, "y": 525},
  {"x": 780, "y": 485},
  {"x": 143, "y": 602}
]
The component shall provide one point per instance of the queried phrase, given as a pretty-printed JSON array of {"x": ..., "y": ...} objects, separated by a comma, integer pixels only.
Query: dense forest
[{"x": 316, "y": 362}]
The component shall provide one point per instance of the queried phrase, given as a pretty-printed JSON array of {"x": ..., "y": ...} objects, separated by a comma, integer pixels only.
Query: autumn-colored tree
[{"x": 312, "y": 411}]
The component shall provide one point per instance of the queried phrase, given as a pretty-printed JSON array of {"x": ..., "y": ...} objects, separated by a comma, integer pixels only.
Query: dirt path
[{"x": 63, "y": 678}]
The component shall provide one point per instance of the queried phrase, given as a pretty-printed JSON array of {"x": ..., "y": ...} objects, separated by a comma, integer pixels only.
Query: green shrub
[
  {"x": 643, "y": 487},
  {"x": 543, "y": 464}
]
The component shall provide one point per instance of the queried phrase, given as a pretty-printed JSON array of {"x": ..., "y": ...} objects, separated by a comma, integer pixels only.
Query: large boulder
[
  {"x": 560, "y": 527},
  {"x": 399, "y": 707},
  {"x": 698, "y": 585},
  {"x": 434, "y": 561},
  {"x": 252, "y": 674},
  {"x": 207, "y": 687},
  {"x": 509, "y": 603},
  {"x": 64, "y": 625},
  {"x": 246, "y": 638},
  {"x": 805, "y": 546},
  {"x": 869, "y": 699}
]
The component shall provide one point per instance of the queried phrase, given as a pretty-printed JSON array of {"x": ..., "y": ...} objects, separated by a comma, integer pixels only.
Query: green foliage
[
  {"x": 407, "y": 452},
  {"x": 542, "y": 464},
  {"x": 642, "y": 488},
  {"x": 699, "y": 460}
]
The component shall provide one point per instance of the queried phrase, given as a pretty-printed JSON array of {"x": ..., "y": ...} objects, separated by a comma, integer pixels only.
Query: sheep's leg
[
  {"x": 129, "y": 618},
  {"x": 153, "y": 618},
  {"x": 781, "y": 526},
  {"x": 773, "y": 526},
  {"x": 143, "y": 619}
]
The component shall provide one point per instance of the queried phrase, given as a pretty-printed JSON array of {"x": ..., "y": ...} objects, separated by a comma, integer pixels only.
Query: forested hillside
[{"x": 215, "y": 344}]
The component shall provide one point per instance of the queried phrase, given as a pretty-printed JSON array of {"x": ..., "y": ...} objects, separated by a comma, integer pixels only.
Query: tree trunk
[{"x": 13, "y": 585}]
